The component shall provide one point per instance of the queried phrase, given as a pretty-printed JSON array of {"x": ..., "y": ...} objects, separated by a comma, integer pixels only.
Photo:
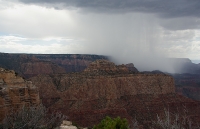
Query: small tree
[
  {"x": 173, "y": 121},
  {"x": 109, "y": 123}
]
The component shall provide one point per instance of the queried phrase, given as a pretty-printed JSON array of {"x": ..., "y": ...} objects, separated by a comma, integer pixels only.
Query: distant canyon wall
[
  {"x": 29, "y": 65},
  {"x": 106, "y": 89}
]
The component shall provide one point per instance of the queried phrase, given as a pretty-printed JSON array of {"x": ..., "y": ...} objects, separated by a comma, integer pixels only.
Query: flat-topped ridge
[{"x": 102, "y": 65}]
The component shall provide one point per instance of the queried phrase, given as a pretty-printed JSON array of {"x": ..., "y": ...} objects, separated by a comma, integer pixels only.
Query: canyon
[
  {"x": 87, "y": 88},
  {"x": 105, "y": 89},
  {"x": 30, "y": 65}
]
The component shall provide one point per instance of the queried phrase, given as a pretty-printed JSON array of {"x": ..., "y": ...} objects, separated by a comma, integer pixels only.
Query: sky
[{"x": 143, "y": 32}]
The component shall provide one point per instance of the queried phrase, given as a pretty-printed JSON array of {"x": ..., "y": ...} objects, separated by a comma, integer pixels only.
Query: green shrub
[{"x": 109, "y": 123}]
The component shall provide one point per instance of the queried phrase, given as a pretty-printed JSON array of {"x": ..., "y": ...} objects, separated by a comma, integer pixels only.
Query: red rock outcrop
[
  {"x": 106, "y": 89},
  {"x": 15, "y": 92}
]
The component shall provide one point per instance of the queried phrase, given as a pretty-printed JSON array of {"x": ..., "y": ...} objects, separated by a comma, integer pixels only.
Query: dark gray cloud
[
  {"x": 180, "y": 23},
  {"x": 165, "y": 8}
]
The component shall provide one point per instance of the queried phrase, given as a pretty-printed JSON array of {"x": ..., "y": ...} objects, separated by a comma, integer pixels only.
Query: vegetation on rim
[{"x": 36, "y": 117}]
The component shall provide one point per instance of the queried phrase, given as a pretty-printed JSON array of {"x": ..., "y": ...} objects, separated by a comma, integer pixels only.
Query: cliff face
[
  {"x": 89, "y": 87},
  {"x": 15, "y": 92},
  {"x": 106, "y": 89},
  {"x": 102, "y": 79}
]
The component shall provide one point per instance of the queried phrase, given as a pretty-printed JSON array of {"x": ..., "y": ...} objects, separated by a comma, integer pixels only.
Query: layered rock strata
[
  {"x": 106, "y": 89},
  {"x": 15, "y": 92},
  {"x": 29, "y": 65},
  {"x": 70, "y": 62}
]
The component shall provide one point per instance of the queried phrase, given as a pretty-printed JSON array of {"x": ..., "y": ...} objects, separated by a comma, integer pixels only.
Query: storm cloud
[
  {"x": 164, "y": 8},
  {"x": 176, "y": 14}
]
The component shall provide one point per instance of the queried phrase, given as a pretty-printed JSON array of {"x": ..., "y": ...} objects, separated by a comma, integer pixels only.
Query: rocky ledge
[{"x": 15, "y": 92}]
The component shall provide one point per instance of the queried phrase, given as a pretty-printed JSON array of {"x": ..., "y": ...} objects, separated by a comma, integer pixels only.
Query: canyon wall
[
  {"x": 98, "y": 89},
  {"x": 29, "y": 65},
  {"x": 103, "y": 79},
  {"x": 15, "y": 92},
  {"x": 70, "y": 62},
  {"x": 89, "y": 87},
  {"x": 107, "y": 89}
]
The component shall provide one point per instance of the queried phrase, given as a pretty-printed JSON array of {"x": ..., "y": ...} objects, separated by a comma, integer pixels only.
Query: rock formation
[
  {"x": 30, "y": 65},
  {"x": 67, "y": 125},
  {"x": 15, "y": 92},
  {"x": 106, "y": 89},
  {"x": 131, "y": 67}
]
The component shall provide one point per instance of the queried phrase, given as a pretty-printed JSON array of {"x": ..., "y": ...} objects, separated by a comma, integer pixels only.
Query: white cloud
[
  {"x": 16, "y": 44},
  {"x": 36, "y": 21},
  {"x": 7, "y": 39}
]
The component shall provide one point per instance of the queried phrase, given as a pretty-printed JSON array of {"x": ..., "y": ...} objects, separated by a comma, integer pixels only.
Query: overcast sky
[{"x": 128, "y": 30}]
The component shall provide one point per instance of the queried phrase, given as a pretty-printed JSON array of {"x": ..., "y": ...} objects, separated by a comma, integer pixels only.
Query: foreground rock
[
  {"x": 15, "y": 92},
  {"x": 67, "y": 125},
  {"x": 104, "y": 89}
]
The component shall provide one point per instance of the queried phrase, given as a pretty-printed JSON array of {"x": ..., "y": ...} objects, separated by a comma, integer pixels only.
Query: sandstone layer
[
  {"x": 106, "y": 89},
  {"x": 15, "y": 92}
]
